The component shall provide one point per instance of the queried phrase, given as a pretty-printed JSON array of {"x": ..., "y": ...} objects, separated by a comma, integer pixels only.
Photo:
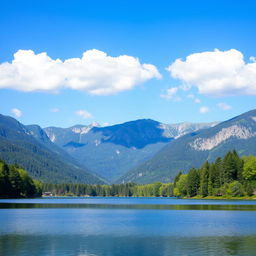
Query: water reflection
[
  {"x": 224, "y": 207},
  {"x": 133, "y": 227},
  {"x": 64, "y": 245}
]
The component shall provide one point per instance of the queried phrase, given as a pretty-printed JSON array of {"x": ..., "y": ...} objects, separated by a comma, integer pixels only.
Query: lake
[{"x": 127, "y": 226}]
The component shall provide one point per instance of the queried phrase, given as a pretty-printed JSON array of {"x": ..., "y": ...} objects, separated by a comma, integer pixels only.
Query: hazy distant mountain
[
  {"x": 113, "y": 150},
  {"x": 193, "y": 149},
  {"x": 30, "y": 147}
]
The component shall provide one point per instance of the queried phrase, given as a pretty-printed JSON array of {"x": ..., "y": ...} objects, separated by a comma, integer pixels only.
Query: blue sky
[{"x": 210, "y": 85}]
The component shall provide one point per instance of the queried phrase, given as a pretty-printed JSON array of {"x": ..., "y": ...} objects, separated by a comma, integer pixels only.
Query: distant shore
[{"x": 196, "y": 197}]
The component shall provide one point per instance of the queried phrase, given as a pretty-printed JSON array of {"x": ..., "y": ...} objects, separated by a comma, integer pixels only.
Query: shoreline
[{"x": 151, "y": 197}]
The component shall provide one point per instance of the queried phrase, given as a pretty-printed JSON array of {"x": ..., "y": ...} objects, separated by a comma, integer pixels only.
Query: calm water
[{"x": 127, "y": 226}]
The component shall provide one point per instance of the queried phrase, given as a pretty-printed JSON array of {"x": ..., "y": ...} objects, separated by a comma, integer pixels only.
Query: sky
[{"x": 76, "y": 62}]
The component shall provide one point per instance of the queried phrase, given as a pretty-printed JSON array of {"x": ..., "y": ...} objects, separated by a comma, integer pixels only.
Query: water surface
[{"x": 127, "y": 226}]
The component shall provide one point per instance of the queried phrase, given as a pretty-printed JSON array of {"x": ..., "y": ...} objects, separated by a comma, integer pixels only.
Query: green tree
[
  {"x": 249, "y": 170},
  {"x": 180, "y": 188},
  {"x": 219, "y": 175},
  {"x": 235, "y": 189},
  {"x": 5, "y": 185},
  {"x": 204, "y": 174},
  {"x": 233, "y": 167},
  {"x": 16, "y": 182},
  {"x": 166, "y": 190},
  {"x": 193, "y": 182},
  {"x": 177, "y": 177},
  {"x": 28, "y": 186}
]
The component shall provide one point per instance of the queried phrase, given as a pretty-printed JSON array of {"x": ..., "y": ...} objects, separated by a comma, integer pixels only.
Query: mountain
[
  {"x": 30, "y": 147},
  {"x": 113, "y": 150},
  {"x": 193, "y": 149},
  {"x": 180, "y": 129}
]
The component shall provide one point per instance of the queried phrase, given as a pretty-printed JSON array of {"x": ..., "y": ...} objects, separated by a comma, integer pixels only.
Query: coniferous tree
[
  {"x": 5, "y": 185},
  {"x": 233, "y": 167},
  {"x": 193, "y": 182},
  {"x": 204, "y": 175}
]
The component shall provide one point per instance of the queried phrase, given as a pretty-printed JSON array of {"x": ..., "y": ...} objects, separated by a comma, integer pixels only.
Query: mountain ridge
[
  {"x": 193, "y": 149},
  {"x": 110, "y": 151},
  {"x": 30, "y": 147}
]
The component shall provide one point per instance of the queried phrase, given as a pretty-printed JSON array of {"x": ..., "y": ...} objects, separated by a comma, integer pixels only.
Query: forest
[
  {"x": 232, "y": 176},
  {"x": 16, "y": 183}
]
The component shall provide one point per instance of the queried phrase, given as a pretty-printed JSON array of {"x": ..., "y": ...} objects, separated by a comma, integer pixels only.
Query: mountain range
[
  {"x": 193, "y": 149},
  {"x": 114, "y": 150},
  {"x": 30, "y": 147},
  {"x": 141, "y": 151}
]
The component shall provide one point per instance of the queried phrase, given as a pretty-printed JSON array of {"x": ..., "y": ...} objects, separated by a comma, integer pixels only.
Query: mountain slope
[
  {"x": 113, "y": 150},
  {"x": 31, "y": 148},
  {"x": 193, "y": 149}
]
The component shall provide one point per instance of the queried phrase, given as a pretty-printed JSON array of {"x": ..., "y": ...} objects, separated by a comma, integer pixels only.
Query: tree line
[
  {"x": 231, "y": 176},
  {"x": 127, "y": 190},
  {"x": 16, "y": 183}
]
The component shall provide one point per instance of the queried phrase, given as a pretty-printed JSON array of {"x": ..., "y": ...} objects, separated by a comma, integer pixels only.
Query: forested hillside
[
  {"x": 31, "y": 148},
  {"x": 16, "y": 183}
]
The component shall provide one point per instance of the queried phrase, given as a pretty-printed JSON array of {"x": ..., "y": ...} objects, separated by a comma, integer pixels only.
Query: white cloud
[
  {"x": 170, "y": 93},
  {"x": 95, "y": 73},
  {"x": 84, "y": 114},
  {"x": 204, "y": 110},
  {"x": 217, "y": 73},
  {"x": 224, "y": 106},
  {"x": 252, "y": 59},
  {"x": 54, "y": 110},
  {"x": 192, "y": 96},
  {"x": 16, "y": 112}
]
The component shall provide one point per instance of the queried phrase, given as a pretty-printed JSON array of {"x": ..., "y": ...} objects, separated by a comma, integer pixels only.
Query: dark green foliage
[
  {"x": 232, "y": 176},
  {"x": 5, "y": 184},
  {"x": 193, "y": 182},
  {"x": 16, "y": 183},
  {"x": 130, "y": 189},
  {"x": 204, "y": 178},
  {"x": 233, "y": 167}
]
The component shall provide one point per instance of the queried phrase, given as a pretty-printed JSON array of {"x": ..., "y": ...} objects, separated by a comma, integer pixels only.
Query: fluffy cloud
[
  {"x": 84, "y": 114},
  {"x": 170, "y": 93},
  {"x": 16, "y": 112},
  {"x": 204, "y": 110},
  {"x": 217, "y": 73},
  {"x": 224, "y": 106},
  {"x": 192, "y": 96},
  {"x": 95, "y": 72}
]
